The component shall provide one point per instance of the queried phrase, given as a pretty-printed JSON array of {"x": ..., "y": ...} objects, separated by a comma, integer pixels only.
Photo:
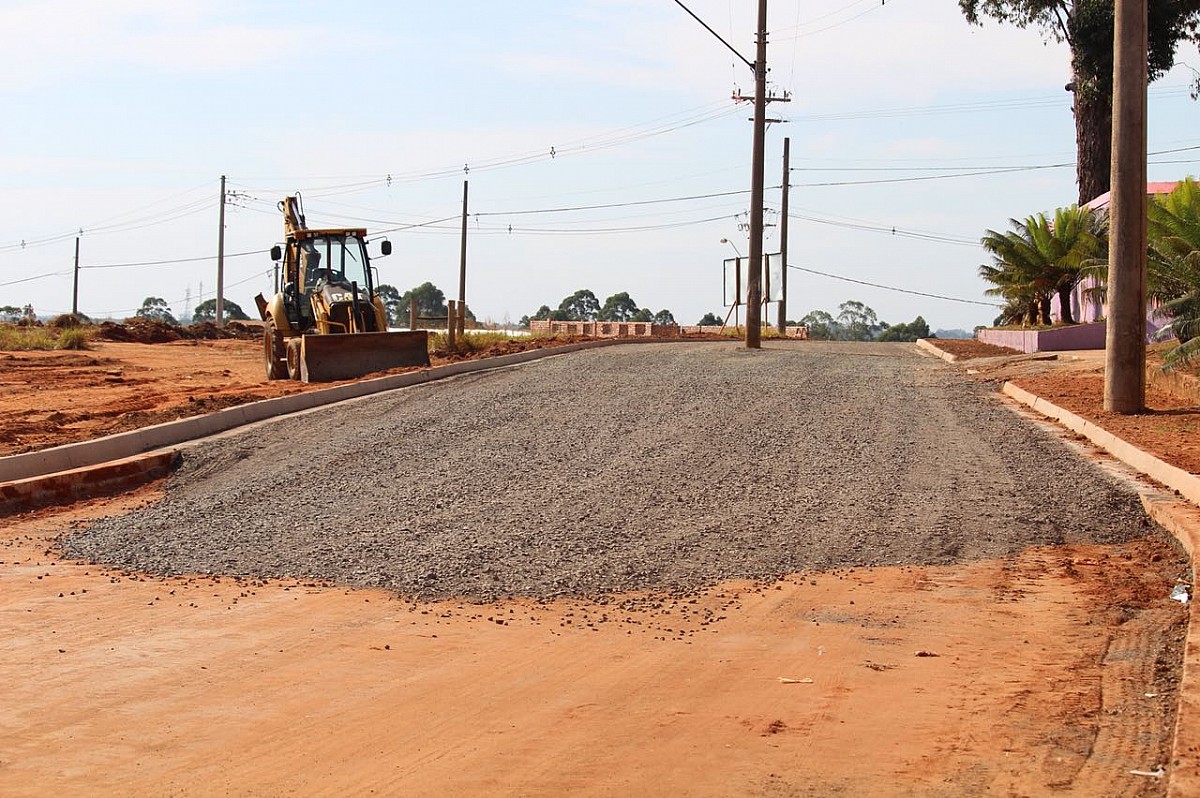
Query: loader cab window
[{"x": 334, "y": 259}]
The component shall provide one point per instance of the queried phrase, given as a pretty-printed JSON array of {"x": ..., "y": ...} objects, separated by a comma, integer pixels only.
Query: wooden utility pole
[
  {"x": 221, "y": 259},
  {"x": 462, "y": 265},
  {"x": 783, "y": 239},
  {"x": 754, "y": 275},
  {"x": 75, "y": 293},
  {"x": 1125, "y": 334}
]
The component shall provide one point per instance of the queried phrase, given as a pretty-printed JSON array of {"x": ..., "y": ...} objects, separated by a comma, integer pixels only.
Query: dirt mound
[
  {"x": 138, "y": 330},
  {"x": 66, "y": 321},
  {"x": 246, "y": 331},
  {"x": 968, "y": 348},
  {"x": 207, "y": 331}
]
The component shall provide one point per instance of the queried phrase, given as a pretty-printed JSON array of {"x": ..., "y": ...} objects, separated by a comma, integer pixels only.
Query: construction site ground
[{"x": 1046, "y": 672}]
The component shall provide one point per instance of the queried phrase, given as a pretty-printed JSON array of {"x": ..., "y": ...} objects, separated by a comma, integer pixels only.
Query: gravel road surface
[{"x": 652, "y": 467}]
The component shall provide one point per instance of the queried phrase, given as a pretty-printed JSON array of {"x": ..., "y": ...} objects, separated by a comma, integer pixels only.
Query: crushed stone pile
[{"x": 656, "y": 467}]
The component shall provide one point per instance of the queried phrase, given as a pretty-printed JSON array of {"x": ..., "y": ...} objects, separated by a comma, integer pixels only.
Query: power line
[
  {"x": 889, "y": 230},
  {"x": 981, "y": 106},
  {"x": 718, "y": 36},
  {"x": 894, "y": 288},
  {"x": 979, "y": 172},
  {"x": 160, "y": 217},
  {"x": 172, "y": 261},
  {"x": 833, "y": 25},
  {"x": 35, "y": 277},
  {"x": 255, "y": 276},
  {"x": 610, "y": 205}
]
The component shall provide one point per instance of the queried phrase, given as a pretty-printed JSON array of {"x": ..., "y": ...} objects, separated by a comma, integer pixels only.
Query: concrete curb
[
  {"x": 1187, "y": 485},
  {"x": 1182, "y": 520},
  {"x": 116, "y": 463},
  {"x": 65, "y": 487},
  {"x": 123, "y": 445},
  {"x": 933, "y": 350}
]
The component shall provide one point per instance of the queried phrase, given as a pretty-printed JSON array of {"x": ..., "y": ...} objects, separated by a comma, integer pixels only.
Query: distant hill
[{"x": 954, "y": 334}]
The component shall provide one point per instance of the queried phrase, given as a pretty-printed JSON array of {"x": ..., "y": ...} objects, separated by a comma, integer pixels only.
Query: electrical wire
[
  {"x": 890, "y": 230},
  {"x": 159, "y": 217},
  {"x": 200, "y": 297},
  {"x": 894, "y": 288},
  {"x": 172, "y": 261},
  {"x": 830, "y": 27},
  {"x": 34, "y": 277}
]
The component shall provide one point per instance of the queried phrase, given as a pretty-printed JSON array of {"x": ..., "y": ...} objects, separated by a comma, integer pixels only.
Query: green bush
[{"x": 73, "y": 338}]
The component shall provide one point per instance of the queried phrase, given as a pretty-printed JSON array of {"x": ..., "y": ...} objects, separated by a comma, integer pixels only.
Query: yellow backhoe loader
[{"x": 326, "y": 321}]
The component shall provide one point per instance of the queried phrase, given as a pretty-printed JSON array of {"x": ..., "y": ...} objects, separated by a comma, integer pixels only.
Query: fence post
[{"x": 451, "y": 325}]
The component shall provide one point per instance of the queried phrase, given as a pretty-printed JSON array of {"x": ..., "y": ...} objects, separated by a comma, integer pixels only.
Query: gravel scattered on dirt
[{"x": 651, "y": 467}]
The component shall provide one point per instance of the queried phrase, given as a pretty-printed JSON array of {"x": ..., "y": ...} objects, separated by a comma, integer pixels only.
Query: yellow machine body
[{"x": 326, "y": 321}]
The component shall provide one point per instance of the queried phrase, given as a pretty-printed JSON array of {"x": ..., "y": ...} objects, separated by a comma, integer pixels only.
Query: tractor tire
[
  {"x": 273, "y": 359},
  {"x": 293, "y": 359}
]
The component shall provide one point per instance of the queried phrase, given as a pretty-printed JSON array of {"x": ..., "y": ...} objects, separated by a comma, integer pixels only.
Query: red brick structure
[
  {"x": 639, "y": 329},
  {"x": 605, "y": 329}
]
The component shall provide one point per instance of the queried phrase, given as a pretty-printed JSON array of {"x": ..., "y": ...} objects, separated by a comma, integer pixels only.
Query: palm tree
[
  {"x": 1173, "y": 265},
  {"x": 1039, "y": 258},
  {"x": 1016, "y": 273}
]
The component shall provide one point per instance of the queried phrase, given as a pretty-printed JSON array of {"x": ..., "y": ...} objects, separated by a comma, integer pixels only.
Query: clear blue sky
[{"x": 122, "y": 115}]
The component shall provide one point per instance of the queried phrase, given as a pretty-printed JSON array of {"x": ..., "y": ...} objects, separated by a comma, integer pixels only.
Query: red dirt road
[
  {"x": 1056, "y": 671},
  {"x": 1047, "y": 672}
]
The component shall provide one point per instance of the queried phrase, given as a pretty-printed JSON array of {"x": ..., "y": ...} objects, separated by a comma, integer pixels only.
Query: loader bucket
[{"x": 324, "y": 358}]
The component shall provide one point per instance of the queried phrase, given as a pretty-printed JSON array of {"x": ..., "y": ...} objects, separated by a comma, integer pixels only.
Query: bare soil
[
  {"x": 138, "y": 374},
  {"x": 1051, "y": 669},
  {"x": 1169, "y": 428},
  {"x": 967, "y": 348}
]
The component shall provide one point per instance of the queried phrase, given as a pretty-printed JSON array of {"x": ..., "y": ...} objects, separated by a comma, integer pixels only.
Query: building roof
[{"x": 1102, "y": 202}]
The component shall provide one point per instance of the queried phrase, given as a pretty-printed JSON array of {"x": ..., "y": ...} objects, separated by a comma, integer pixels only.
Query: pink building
[{"x": 1086, "y": 309}]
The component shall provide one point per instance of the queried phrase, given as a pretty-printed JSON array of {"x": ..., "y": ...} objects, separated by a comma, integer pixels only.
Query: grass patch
[
  {"x": 473, "y": 341},
  {"x": 73, "y": 338},
  {"x": 20, "y": 338},
  {"x": 24, "y": 339}
]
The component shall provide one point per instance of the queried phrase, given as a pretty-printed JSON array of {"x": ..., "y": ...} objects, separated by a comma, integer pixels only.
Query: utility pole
[
  {"x": 754, "y": 278},
  {"x": 462, "y": 268},
  {"x": 783, "y": 238},
  {"x": 1125, "y": 334},
  {"x": 221, "y": 260},
  {"x": 75, "y": 293}
]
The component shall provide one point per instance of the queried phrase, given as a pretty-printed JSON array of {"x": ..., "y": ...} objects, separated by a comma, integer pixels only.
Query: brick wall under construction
[{"x": 605, "y": 329}]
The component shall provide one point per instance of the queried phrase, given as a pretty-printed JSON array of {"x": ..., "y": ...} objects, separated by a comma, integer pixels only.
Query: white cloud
[{"x": 57, "y": 40}]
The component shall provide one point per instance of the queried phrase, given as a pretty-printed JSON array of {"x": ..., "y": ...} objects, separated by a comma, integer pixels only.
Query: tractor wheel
[
  {"x": 272, "y": 358},
  {"x": 293, "y": 359}
]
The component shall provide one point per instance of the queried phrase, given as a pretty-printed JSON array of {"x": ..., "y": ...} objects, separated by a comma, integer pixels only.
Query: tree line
[
  {"x": 431, "y": 304},
  {"x": 859, "y": 322},
  {"x": 584, "y": 306},
  {"x": 855, "y": 321}
]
